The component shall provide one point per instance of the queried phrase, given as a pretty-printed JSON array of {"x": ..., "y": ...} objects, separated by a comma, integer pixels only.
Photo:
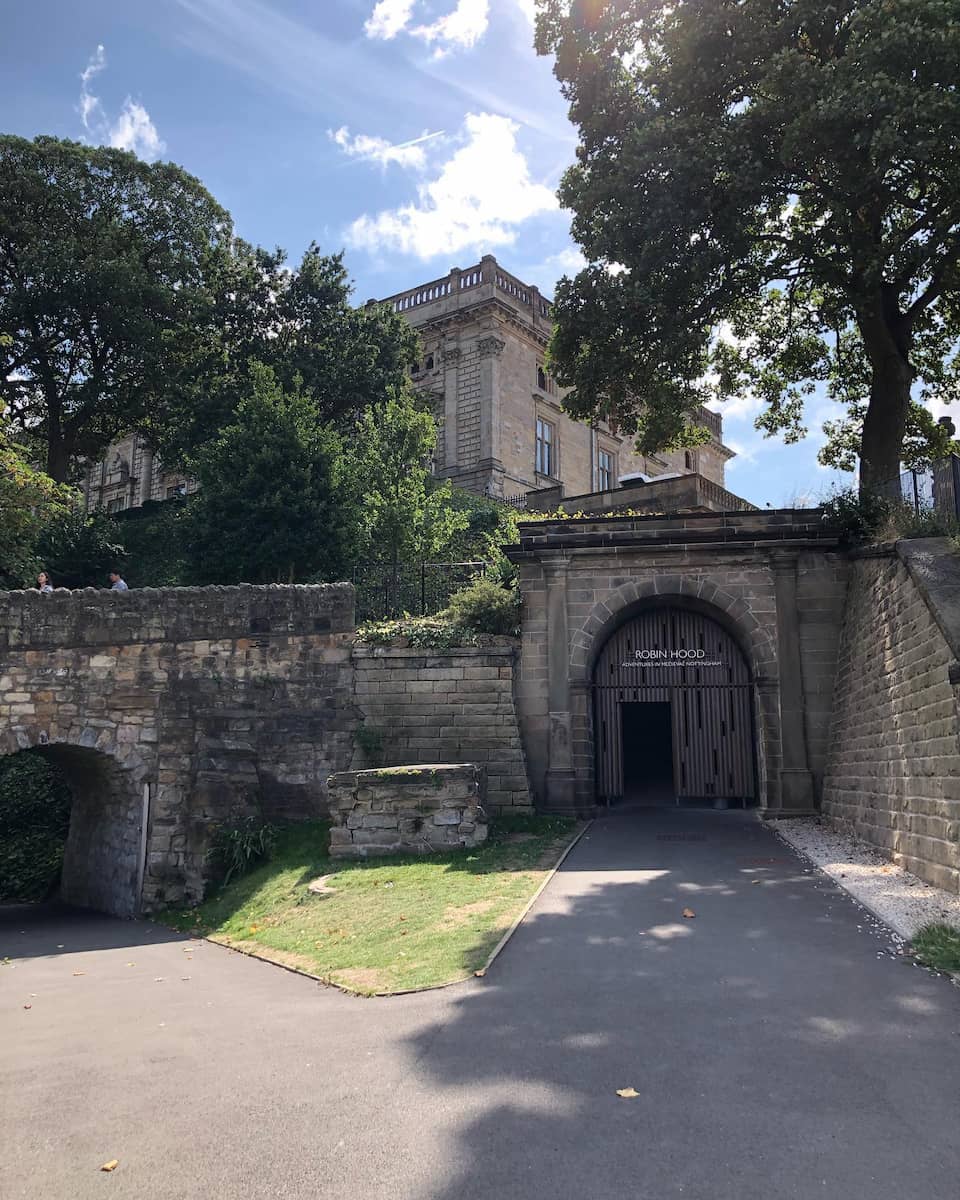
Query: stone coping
[
  {"x": 405, "y": 774},
  {"x": 504, "y": 647}
]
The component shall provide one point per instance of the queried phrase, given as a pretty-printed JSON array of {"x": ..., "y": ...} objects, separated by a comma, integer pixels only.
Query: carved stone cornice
[
  {"x": 451, "y": 355},
  {"x": 490, "y": 345}
]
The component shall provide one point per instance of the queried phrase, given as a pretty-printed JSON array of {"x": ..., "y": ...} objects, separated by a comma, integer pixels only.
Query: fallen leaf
[
  {"x": 627, "y": 1093},
  {"x": 184, "y": 978},
  {"x": 689, "y": 913},
  {"x": 480, "y": 974},
  {"x": 111, "y": 1165},
  {"x": 755, "y": 882},
  {"x": 79, "y": 973},
  {"x": 159, "y": 979},
  {"x": 28, "y": 1006}
]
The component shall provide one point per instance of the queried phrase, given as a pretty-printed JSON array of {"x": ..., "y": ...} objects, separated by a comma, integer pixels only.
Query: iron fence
[
  {"x": 933, "y": 489},
  {"x": 386, "y": 590}
]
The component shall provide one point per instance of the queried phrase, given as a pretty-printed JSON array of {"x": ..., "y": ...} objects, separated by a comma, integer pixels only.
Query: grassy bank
[{"x": 386, "y": 925}]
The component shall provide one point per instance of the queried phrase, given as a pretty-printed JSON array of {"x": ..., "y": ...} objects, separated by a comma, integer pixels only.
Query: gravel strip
[{"x": 901, "y": 900}]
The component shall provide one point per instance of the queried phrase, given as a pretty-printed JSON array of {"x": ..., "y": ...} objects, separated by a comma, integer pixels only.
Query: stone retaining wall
[
  {"x": 406, "y": 810},
  {"x": 457, "y": 705},
  {"x": 893, "y": 775}
]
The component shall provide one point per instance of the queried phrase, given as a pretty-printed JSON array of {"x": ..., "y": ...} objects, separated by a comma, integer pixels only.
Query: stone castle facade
[{"x": 502, "y": 430}]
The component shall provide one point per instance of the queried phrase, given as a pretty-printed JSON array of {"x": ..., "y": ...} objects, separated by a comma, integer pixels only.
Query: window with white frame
[
  {"x": 606, "y": 470},
  {"x": 546, "y": 448}
]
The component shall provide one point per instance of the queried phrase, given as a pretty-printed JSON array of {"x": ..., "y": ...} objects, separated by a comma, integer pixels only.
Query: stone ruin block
[{"x": 407, "y": 810}]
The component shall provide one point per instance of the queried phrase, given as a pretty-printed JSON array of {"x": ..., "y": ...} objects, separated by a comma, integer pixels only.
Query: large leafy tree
[
  {"x": 106, "y": 265},
  {"x": 30, "y": 503},
  {"x": 768, "y": 196},
  {"x": 404, "y": 516},
  {"x": 274, "y": 503},
  {"x": 299, "y": 322}
]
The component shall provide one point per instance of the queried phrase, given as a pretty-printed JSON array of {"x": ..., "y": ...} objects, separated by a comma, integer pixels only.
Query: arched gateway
[{"x": 673, "y": 705}]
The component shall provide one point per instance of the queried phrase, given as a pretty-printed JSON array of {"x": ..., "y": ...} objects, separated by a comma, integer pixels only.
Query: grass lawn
[
  {"x": 389, "y": 924},
  {"x": 938, "y": 946}
]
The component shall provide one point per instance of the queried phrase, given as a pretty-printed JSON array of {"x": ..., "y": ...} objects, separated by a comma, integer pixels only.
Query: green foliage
[
  {"x": 938, "y": 946},
  {"x": 490, "y": 527},
  {"x": 106, "y": 265},
  {"x": 369, "y": 741},
  {"x": 78, "y": 548},
  {"x": 858, "y": 518},
  {"x": 487, "y": 607},
  {"x": 768, "y": 197},
  {"x": 300, "y": 323},
  {"x": 428, "y": 633},
  {"x": 275, "y": 503},
  {"x": 34, "y": 820},
  {"x": 237, "y": 849},
  {"x": 404, "y": 515},
  {"x": 870, "y": 516},
  {"x": 154, "y": 539},
  {"x": 30, "y": 502}
]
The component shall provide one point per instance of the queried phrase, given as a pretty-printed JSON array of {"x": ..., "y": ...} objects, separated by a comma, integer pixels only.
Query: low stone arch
[
  {"x": 629, "y": 598},
  {"x": 104, "y": 859}
]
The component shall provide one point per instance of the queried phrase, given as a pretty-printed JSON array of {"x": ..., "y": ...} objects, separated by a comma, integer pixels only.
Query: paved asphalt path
[{"x": 777, "y": 1049}]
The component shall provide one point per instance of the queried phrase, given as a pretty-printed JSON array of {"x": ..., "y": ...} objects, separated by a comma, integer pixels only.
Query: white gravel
[{"x": 901, "y": 900}]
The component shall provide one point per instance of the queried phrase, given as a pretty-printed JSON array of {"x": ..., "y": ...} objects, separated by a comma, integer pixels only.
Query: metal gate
[{"x": 691, "y": 662}]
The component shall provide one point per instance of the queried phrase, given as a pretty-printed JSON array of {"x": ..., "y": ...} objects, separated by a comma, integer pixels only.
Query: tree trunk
[
  {"x": 58, "y": 460},
  {"x": 885, "y": 423}
]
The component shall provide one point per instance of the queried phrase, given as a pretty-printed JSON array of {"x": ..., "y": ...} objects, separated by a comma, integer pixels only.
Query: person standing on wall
[{"x": 117, "y": 583}]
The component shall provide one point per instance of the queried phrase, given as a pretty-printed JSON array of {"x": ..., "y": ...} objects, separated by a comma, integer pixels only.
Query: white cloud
[
  {"x": 132, "y": 130},
  {"x": 389, "y": 18},
  {"x": 379, "y": 150},
  {"x": 459, "y": 29},
  {"x": 528, "y": 8},
  {"x": 482, "y": 193}
]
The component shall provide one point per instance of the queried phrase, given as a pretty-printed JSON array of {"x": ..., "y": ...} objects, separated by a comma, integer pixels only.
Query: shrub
[
  {"x": 427, "y": 633},
  {"x": 486, "y": 606},
  {"x": 875, "y": 517},
  {"x": 238, "y": 848},
  {"x": 369, "y": 741},
  {"x": 34, "y": 820}
]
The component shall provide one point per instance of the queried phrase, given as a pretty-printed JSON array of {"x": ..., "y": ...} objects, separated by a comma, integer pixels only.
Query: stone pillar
[
  {"x": 561, "y": 797},
  {"x": 796, "y": 779},
  {"x": 490, "y": 349},
  {"x": 451, "y": 360}
]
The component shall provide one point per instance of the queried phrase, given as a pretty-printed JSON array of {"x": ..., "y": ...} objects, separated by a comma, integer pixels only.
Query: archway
[
  {"x": 673, "y": 703},
  {"x": 103, "y": 857}
]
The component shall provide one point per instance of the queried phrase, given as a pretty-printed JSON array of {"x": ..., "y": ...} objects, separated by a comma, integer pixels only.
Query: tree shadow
[{"x": 776, "y": 1048}]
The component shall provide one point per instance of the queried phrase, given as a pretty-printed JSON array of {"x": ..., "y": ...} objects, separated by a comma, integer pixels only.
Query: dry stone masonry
[
  {"x": 171, "y": 710},
  {"x": 407, "y": 810},
  {"x": 893, "y": 776}
]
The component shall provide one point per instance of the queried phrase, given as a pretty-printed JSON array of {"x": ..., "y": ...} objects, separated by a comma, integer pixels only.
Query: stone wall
[
  {"x": 179, "y": 707},
  {"x": 446, "y": 706},
  {"x": 776, "y": 580},
  {"x": 407, "y": 810},
  {"x": 893, "y": 776}
]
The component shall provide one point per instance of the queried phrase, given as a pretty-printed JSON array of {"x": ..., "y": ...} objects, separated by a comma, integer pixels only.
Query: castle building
[{"x": 501, "y": 429}]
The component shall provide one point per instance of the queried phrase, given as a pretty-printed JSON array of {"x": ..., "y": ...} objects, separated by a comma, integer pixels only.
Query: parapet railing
[{"x": 727, "y": 501}]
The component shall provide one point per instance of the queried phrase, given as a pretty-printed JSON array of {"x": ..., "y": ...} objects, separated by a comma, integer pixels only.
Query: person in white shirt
[
  {"x": 117, "y": 583},
  {"x": 43, "y": 582}
]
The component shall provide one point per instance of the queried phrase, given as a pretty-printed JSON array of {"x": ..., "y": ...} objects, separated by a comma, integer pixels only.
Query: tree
[
  {"x": 105, "y": 265},
  {"x": 78, "y": 548},
  {"x": 404, "y": 516},
  {"x": 29, "y": 502},
  {"x": 768, "y": 196},
  {"x": 302, "y": 325},
  {"x": 273, "y": 506}
]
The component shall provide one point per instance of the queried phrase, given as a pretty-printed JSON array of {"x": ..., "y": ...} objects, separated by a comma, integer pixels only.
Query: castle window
[
  {"x": 429, "y": 366},
  {"x": 606, "y": 471},
  {"x": 541, "y": 379},
  {"x": 688, "y": 460},
  {"x": 546, "y": 463}
]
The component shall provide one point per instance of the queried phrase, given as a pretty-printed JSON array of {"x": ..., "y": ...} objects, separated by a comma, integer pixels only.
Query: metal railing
[
  {"x": 387, "y": 590},
  {"x": 933, "y": 489}
]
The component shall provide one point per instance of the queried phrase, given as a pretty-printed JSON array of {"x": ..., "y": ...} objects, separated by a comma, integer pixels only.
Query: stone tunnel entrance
[
  {"x": 105, "y": 847},
  {"x": 673, "y": 713}
]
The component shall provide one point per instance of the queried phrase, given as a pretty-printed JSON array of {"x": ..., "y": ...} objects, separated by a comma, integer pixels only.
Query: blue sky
[{"x": 414, "y": 134}]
